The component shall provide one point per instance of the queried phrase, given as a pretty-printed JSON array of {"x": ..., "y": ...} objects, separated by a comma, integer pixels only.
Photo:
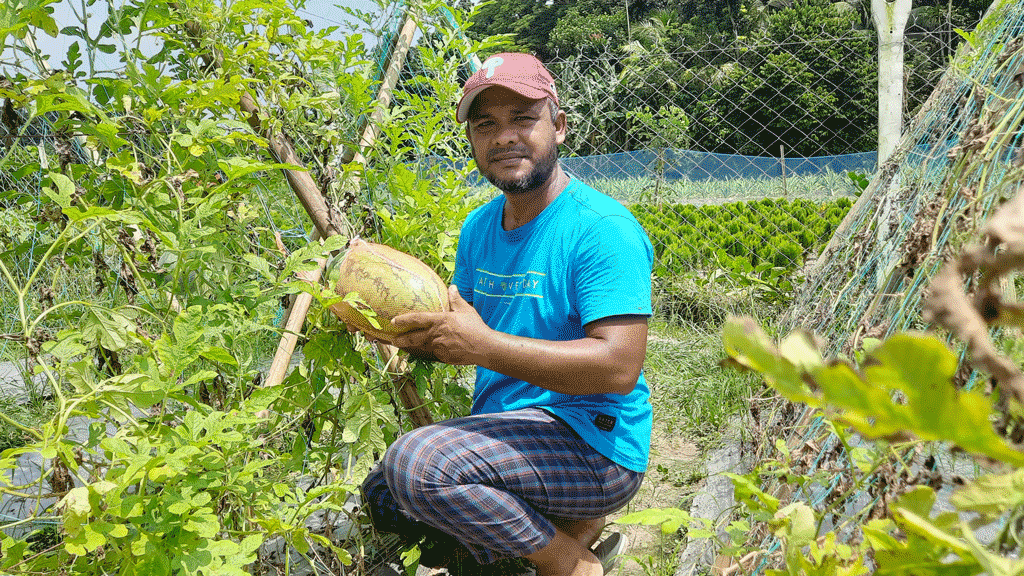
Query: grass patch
[
  {"x": 692, "y": 395},
  {"x": 827, "y": 184},
  {"x": 30, "y": 414}
]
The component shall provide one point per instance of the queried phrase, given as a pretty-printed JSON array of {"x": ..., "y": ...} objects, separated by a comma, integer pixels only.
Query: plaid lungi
[{"x": 493, "y": 482}]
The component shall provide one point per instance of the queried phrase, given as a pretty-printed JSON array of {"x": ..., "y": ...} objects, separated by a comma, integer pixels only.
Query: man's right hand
[{"x": 453, "y": 337}]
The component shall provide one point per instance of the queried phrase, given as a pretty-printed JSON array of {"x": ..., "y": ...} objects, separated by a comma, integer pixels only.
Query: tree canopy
[{"x": 750, "y": 75}]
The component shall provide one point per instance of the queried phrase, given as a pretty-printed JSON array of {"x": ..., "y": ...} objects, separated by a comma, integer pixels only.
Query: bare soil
[{"x": 673, "y": 475}]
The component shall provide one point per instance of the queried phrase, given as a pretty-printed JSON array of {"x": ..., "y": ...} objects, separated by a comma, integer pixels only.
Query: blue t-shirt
[{"x": 582, "y": 259}]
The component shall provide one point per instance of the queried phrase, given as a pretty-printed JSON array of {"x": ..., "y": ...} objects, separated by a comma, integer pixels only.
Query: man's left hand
[{"x": 452, "y": 337}]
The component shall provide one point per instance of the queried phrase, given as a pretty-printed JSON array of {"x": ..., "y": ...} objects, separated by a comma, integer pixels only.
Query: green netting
[
  {"x": 953, "y": 165},
  {"x": 958, "y": 160}
]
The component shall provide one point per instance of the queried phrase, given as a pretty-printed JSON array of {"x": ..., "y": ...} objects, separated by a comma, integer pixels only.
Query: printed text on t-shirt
[{"x": 509, "y": 285}]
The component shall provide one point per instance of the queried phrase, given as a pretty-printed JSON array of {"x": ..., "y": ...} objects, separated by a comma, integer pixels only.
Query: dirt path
[{"x": 674, "y": 462}]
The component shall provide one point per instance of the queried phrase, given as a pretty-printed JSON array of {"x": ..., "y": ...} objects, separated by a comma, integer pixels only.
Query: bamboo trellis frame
[{"x": 328, "y": 222}]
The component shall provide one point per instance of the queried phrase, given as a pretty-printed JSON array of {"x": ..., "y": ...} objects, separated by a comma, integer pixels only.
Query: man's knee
[{"x": 414, "y": 465}]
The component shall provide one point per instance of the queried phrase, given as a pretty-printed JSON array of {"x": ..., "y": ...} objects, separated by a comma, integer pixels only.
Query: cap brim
[{"x": 462, "y": 110}]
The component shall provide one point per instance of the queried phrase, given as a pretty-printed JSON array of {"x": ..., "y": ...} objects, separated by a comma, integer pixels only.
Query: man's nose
[{"x": 506, "y": 134}]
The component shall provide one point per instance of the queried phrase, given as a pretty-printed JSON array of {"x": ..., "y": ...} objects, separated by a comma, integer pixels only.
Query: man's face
[{"x": 514, "y": 140}]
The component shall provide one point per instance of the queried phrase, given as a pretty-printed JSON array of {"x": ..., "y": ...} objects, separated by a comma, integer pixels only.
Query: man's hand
[
  {"x": 453, "y": 337},
  {"x": 353, "y": 329}
]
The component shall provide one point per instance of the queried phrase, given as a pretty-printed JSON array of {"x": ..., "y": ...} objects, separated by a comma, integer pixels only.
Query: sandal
[{"x": 608, "y": 551}]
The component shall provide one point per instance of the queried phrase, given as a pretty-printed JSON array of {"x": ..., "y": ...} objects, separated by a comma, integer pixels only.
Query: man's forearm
[{"x": 607, "y": 362}]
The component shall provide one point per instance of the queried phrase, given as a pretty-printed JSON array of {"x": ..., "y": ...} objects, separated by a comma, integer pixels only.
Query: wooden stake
[
  {"x": 782, "y": 159},
  {"x": 405, "y": 386}
]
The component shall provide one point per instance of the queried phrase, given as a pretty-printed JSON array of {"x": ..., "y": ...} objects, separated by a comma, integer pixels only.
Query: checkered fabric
[{"x": 493, "y": 481}]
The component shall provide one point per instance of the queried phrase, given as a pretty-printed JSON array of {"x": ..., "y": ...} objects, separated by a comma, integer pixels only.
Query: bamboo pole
[{"x": 300, "y": 306}]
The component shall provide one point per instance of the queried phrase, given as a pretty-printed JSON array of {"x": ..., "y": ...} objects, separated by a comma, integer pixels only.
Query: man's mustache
[{"x": 497, "y": 154}]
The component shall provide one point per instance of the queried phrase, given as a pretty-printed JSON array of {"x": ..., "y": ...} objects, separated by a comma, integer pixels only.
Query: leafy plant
[
  {"x": 663, "y": 130},
  {"x": 858, "y": 492},
  {"x": 859, "y": 179},
  {"x": 902, "y": 395},
  {"x": 147, "y": 288},
  {"x": 751, "y": 249}
]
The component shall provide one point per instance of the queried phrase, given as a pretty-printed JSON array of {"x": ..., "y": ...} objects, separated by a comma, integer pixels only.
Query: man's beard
[{"x": 539, "y": 175}]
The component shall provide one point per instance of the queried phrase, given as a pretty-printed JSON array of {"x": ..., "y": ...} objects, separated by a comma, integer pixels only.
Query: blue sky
[{"x": 323, "y": 14}]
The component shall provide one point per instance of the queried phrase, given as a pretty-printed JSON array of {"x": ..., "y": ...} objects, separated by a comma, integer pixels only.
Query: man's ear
[{"x": 561, "y": 126}]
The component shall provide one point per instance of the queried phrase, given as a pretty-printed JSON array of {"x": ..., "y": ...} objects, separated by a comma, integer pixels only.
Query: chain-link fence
[{"x": 695, "y": 141}]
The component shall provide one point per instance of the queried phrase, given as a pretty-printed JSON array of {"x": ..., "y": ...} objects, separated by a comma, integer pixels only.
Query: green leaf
[
  {"x": 924, "y": 528},
  {"x": 991, "y": 494},
  {"x": 12, "y": 551},
  {"x": 76, "y": 503},
  {"x": 799, "y": 526},
  {"x": 179, "y": 507},
  {"x": 204, "y": 524},
  {"x": 237, "y": 166},
  {"x": 365, "y": 421},
  {"x": 107, "y": 328},
  {"x": 748, "y": 490},
  {"x": 748, "y": 345},
  {"x": 160, "y": 474},
  {"x": 201, "y": 499},
  {"x": 221, "y": 547},
  {"x": 919, "y": 500},
  {"x": 65, "y": 190},
  {"x": 220, "y": 355},
  {"x": 259, "y": 264},
  {"x": 669, "y": 519},
  {"x": 262, "y": 398},
  {"x": 108, "y": 134},
  {"x": 118, "y": 531},
  {"x": 862, "y": 458},
  {"x": 250, "y": 544},
  {"x": 906, "y": 387}
]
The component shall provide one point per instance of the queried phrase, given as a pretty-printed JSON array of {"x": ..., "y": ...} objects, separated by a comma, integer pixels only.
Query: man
[{"x": 550, "y": 301}]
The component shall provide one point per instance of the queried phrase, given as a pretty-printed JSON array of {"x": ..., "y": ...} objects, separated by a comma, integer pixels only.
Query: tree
[
  {"x": 785, "y": 85},
  {"x": 528, "y": 22},
  {"x": 590, "y": 27}
]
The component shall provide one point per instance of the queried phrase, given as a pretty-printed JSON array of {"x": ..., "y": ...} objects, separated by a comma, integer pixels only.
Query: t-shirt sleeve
[
  {"x": 463, "y": 277},
  {"x": 612, "y": 270}
]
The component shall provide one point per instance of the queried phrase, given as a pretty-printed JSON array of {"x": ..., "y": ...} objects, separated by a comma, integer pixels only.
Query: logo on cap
[{"x": 492, "y": 63}]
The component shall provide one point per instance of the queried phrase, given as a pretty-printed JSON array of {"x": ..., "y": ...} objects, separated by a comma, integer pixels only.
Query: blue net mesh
[
  {"x": 959, "y": 159},
  {"x": 673, "y": 164}
]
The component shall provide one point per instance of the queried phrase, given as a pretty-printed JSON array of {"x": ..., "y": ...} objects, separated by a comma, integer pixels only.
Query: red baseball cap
[{"x": 521, "y": 73}]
